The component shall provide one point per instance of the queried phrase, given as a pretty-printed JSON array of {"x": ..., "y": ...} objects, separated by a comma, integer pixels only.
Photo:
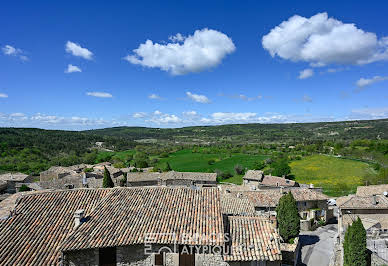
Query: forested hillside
[
  {"x": 257, "y": 133},
  {"x": 34, "y": 150}
]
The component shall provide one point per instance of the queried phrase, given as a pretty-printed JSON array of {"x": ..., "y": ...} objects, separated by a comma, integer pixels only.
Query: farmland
[{"x": 337, "y": 176}]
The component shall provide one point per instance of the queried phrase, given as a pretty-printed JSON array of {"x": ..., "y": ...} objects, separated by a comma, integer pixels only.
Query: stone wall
[
  {"x": 87, "y": 257},
  {"x": 134, "y": 255},
  {"x": 377, "y": 261}
]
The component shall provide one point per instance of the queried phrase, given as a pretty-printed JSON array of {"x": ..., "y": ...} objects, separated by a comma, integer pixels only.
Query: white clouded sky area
[{"x": 236, "y": 63}]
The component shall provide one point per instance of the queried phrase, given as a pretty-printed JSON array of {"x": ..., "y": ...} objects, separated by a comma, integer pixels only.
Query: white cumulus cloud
[
  {"x": 3, "y": 95},
  {"x": 139, "y": 115},
  {"x": 154, "y": 96},
  {"x": 76, "y": 50},
  {"x": 370, "y": 113},
  {"x": 71, "y": 69},
  {"x": 321, "y": 40},
  {"x": 198, "y": 98},
  {"x": 204, "y": 49},
  {"x": 363, "y": 82},
  {"x": 99, "y": 94},
  {"x": 12, "y": 51},
  {"x": 306, "y": 73},
  {"x": 189, "y": 113}
]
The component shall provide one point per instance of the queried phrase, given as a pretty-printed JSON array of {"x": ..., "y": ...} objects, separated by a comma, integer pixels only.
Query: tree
[
  {"x": 211, "y": 162},
  {"x": 281, "y": 168},
  {"x": 107, "y": 180},
  {"x": 239, "y": 169},
  {"x": 141, "y": 163},
  {"x": 167, "y": 168},
  {"x": 355, "y": 245},
  {"x": 288, "y": 217},
  {"x": 259, "y": 165}
]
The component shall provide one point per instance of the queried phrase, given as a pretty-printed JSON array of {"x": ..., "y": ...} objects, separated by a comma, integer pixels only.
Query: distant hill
[
  {"x": 254, "y": 133},
  {"x": 32, "y": 150}
]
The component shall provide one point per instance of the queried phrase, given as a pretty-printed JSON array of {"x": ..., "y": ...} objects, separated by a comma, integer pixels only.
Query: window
[
  {"x": 159, "y": 259},
  {"x": 107, "y": 256},
  {"x": 186, "y": 258}
]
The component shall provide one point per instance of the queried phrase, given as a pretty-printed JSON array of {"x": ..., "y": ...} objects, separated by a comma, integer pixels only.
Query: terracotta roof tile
[
  {"x": 136, "y": 212},
  {"x": 253, "y": 239},
  {"x": 41, "y": 223},
  {"x": 371, "y": 190},
  {"x": 271, "y": 197},
  {"x": 356, "y": 202},
  {"x": 254, "y": 175},
  {"x": 232, "y": 205}
]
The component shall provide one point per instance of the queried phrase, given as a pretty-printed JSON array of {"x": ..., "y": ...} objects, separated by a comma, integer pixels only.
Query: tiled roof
[
  {"x": 356, "y": 202},
  {"x": 190, "y": 176},
  {"x": 57, "y": 169},
  {"x": 277, "y": 181},
  {"x": 232, "y": 205},
  {"x": 172, "y": 175},
  {"x": 253, "y": 239},
  {"x": 18, "y": 177},
  {"x": 368, "y": 220},
  {"x": 234, "y": 188},
  {"x": 371, "y": 190},
  {"x": 145, "y": 176},
  {"x": 271, "y": 197},
  {"x": 136, "y": 212},
  {"x": 42, "y": 221},
  {"x": 253, "y": 175}
]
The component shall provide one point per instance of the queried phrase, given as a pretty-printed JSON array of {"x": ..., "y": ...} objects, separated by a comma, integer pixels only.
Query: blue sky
[{"x": 93, "y": 64}]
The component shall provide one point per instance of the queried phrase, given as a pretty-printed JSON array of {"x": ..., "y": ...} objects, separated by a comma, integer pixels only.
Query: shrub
[
  {"x": 167, "y": 167},
  {"x": 211, "y": 162},
  {"x": 164, "y": 155},
  {"x": 239, "y": 169},
  {"x": 88, "y": 170},
  {"x": 141, "y": 163},
  {"x": 259, "y": 165},
  {"x": 24, "y": 188}
]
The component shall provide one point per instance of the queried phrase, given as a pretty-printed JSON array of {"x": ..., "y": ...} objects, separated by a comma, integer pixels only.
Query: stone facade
[
  {"x": 87, "y": 257},
  {"x": 134, "y": 255}
]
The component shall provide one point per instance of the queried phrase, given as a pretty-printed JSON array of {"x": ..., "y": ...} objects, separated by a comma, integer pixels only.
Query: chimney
[
  {"x": 374, "y": 200},
  {"x": 78, "y": 217}
]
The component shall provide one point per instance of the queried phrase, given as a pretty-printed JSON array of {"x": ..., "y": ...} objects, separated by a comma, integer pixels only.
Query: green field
[
  {"x": 187, "y": 161},
  {"x": 337, "y": 176}
]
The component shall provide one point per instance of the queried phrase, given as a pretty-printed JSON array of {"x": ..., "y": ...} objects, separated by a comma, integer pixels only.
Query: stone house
[
  {"x": 372, "y": 210},
  {"x": 55, "y": 172},
  {"x": 257, "y": 179},
  {"x": 133, "y": 226},
  {"x": 171, "y": 178},
  {"x": 9, "y": 181},
  {"x": 138, "y": 179},
  {"x": 312, "y": 204}
]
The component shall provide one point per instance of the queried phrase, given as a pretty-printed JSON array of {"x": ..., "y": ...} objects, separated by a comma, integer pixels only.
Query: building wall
[
  {"x": 142, "y": 183},
  {"x": 87, "y": 257},
  {"x": 134, "y": 255},
  {"x": 255, "y": 263}
]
